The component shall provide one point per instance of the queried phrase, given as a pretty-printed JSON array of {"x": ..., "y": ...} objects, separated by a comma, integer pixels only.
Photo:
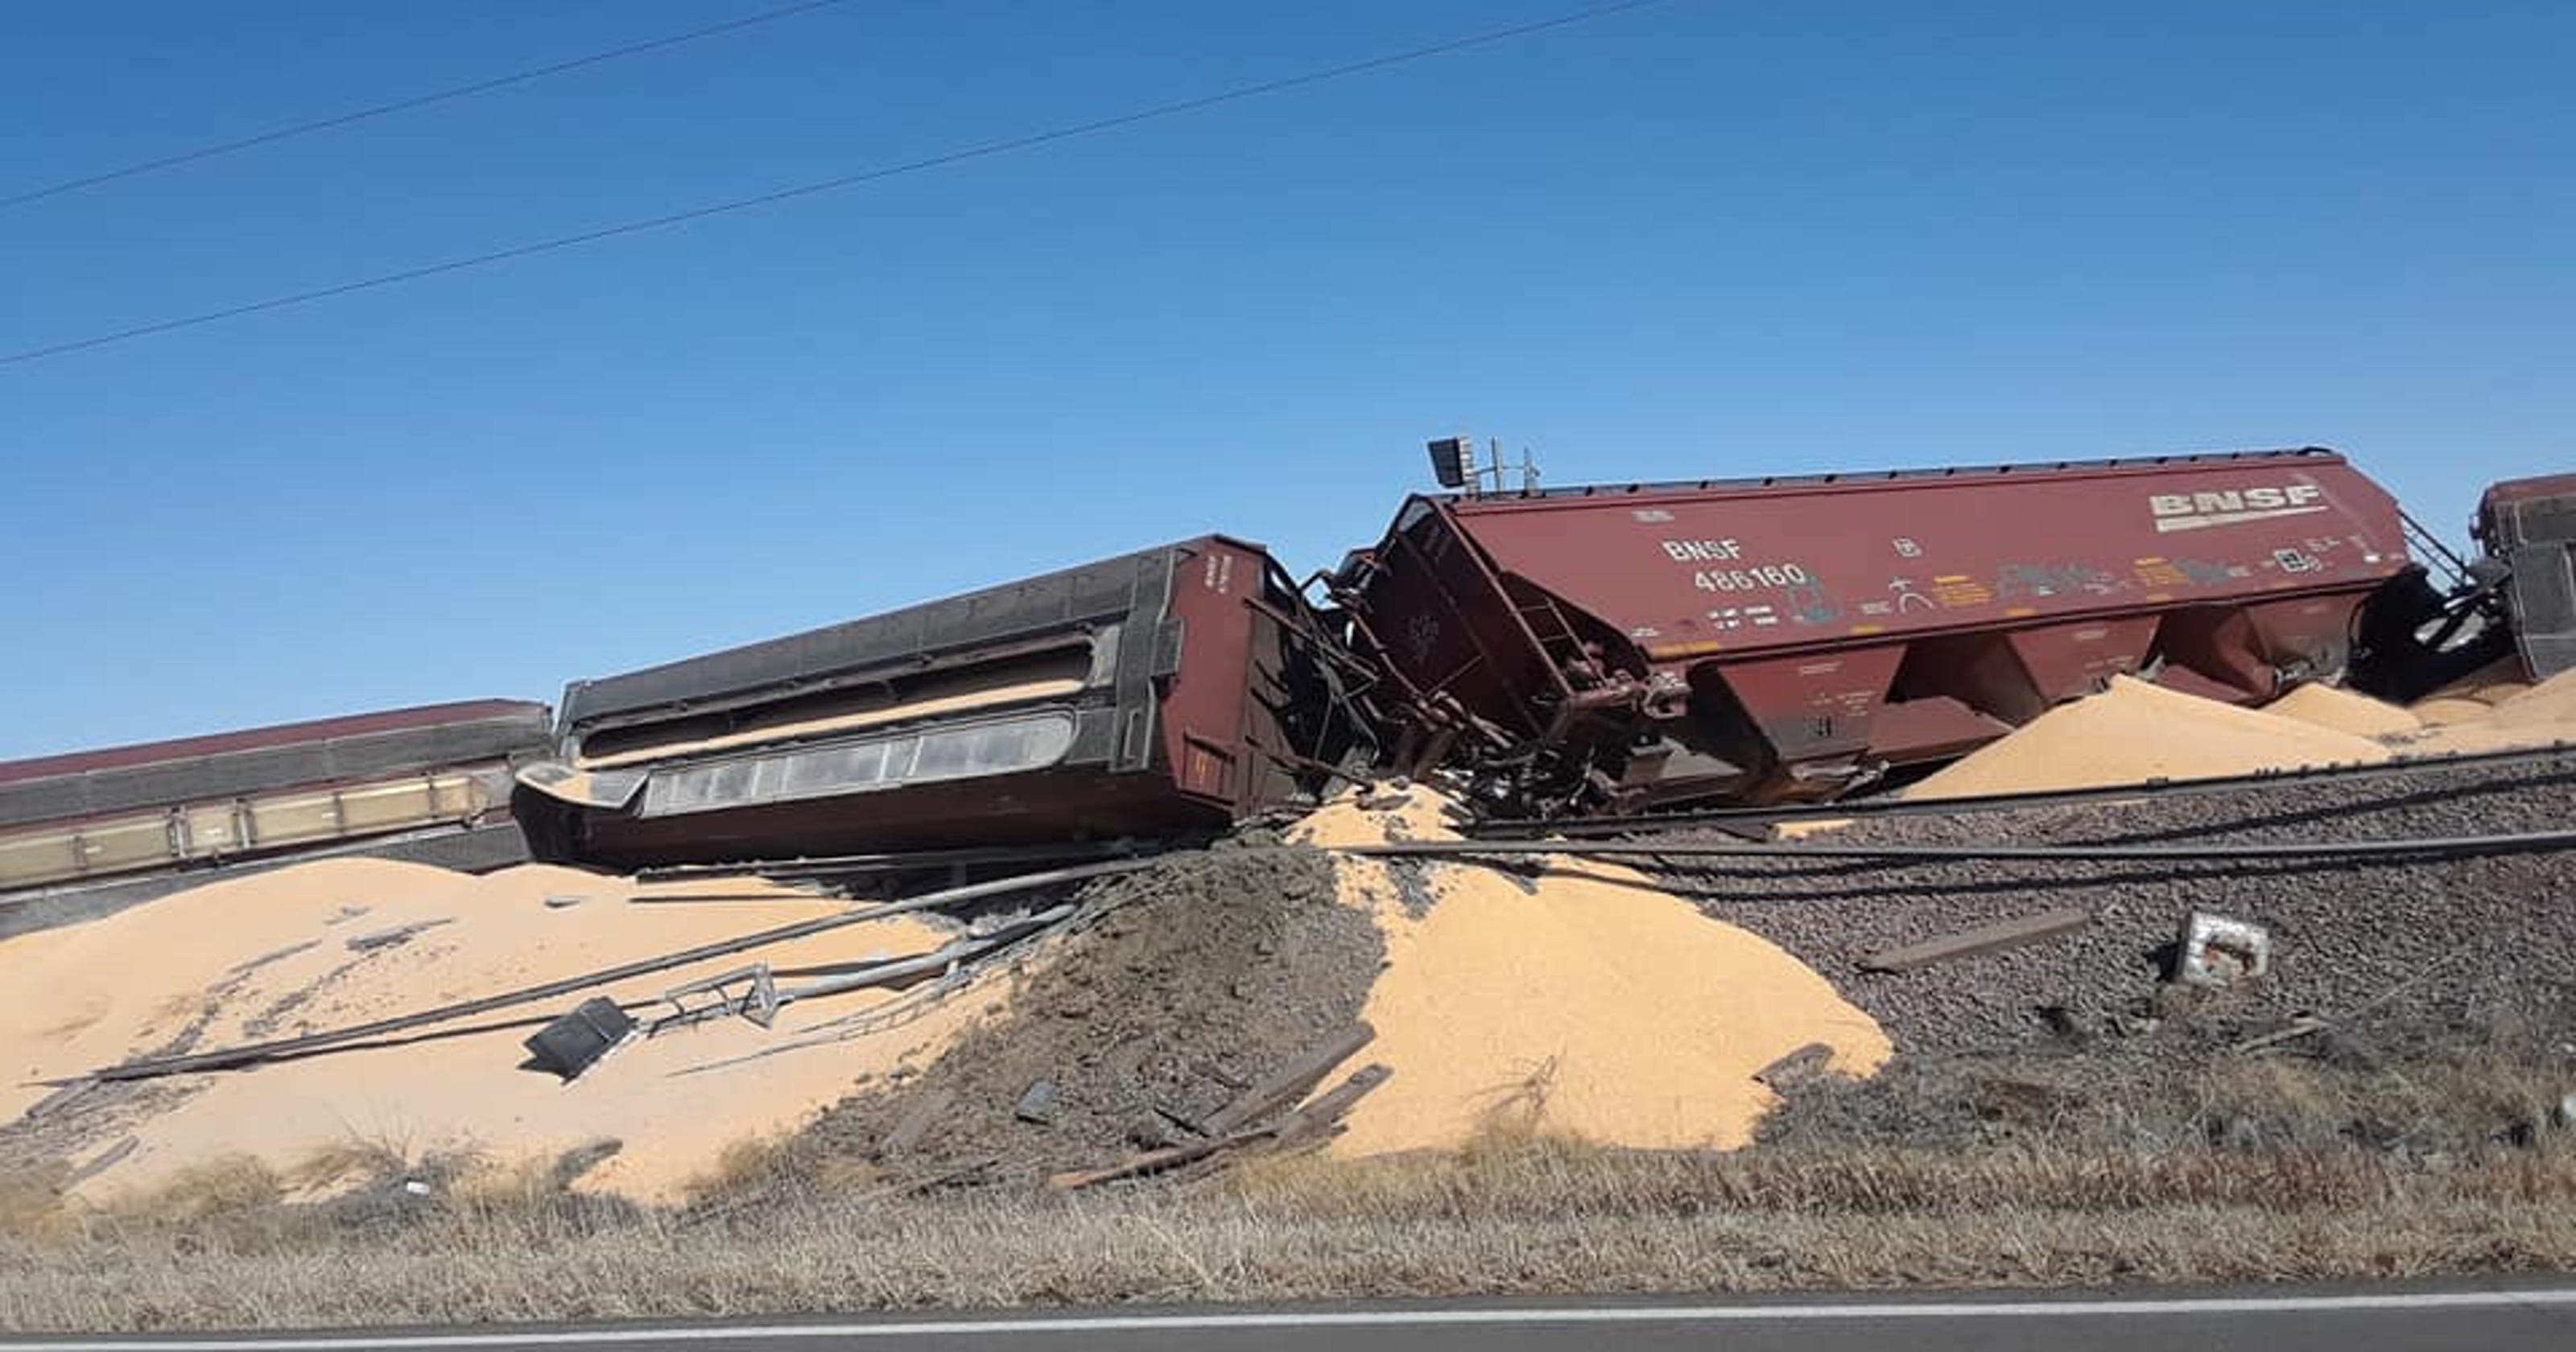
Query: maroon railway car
[
  {"x": 1162, "y": 692},
  {"x": 84, "y": 833},
  {"x": 1763, "y": 639}
]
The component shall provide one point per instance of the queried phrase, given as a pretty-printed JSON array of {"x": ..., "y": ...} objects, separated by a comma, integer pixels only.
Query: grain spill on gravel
[{"x": 1580, "y": 1000}]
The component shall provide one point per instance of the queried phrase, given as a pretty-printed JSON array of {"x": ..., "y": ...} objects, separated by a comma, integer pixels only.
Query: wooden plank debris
[
  {"x": 1994, "y": 938},
  {"x": 1307, "y": 1124},
  {"x": 1289, "y": 1083},
  {"x": 1319, "y": 1117},
  {"x": 2297, "y": 1027},
  {"x": 1152, "y": 1161},
  {"x": 61, "y": 1098},
  {"x": 102, "y": 1162}
]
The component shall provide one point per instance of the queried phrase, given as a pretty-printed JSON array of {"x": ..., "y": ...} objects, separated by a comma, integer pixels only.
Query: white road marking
[{"x": 2395, "y": 1302}]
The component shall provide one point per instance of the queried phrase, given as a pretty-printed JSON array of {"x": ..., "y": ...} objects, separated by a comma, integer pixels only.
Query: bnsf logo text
[{"x": 2193, "y": 511}]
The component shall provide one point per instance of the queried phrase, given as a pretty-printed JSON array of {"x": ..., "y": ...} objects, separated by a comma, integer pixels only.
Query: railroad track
[{"x": 1761, "y": 818}]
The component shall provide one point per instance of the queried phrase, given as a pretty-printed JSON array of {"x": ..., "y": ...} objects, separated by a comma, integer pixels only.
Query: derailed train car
[
  {"x": 1602, "y": 649},
  {"x": 1584, "y": 650},
  {"x": 1168, "y": 691},
  {"x": 1622, "y": 648},
  {"x": 87, "y": 832},
  {"x": 2527, "y": 528}
]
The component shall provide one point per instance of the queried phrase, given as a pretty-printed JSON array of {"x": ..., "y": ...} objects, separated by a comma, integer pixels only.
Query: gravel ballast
[
  {"x": 2385, "y": 952},
  {"x": 2346, "y": 933},
  {"x": 1201, "y": 976}
]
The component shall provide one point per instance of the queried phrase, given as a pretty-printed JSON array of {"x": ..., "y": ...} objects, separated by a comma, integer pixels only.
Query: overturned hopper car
[
  {"x": 1623, "y": 648},
  {"x": 84, "y": 833},
  {"x": 1162, "y": 692},
  {"x": 2528, "y": 529}
]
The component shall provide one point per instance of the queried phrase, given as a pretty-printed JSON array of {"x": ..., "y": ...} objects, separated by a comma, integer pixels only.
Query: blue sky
[{"x": 1702, "y": 238}]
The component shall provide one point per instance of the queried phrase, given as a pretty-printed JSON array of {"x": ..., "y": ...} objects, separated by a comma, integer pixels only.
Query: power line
[
  {"x": 984, "y": 150},
  {"x": 356, "y": 115}
]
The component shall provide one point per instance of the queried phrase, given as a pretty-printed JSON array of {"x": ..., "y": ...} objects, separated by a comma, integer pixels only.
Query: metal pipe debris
[{"x": 251, "y": 1053}]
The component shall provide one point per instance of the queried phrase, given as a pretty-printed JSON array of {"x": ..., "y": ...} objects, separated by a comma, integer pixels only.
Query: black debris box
[{"x": 569, "y": 1045}]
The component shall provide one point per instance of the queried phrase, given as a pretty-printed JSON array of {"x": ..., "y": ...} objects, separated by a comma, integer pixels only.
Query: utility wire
[
  {"x": 356, "y": 115},
  {"x": 983, "y": 150}
]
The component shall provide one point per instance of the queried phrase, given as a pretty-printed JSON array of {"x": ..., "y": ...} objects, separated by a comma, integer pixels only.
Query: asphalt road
[{"x": 2499, "y": 1317}]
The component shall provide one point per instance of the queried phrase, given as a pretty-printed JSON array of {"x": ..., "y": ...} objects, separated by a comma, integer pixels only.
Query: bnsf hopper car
[
  {"x": 1160, "y": 692},
  {"x": 85, "y": 832},
  {"x": 1620, "y": 648}
]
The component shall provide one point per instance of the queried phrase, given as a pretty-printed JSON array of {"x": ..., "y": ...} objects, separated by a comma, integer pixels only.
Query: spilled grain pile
[
  {"x": 2491, "y": 684},
  {"x": 2327, "y": 706},
  {"x": 2552, "y": 702},
  {"x": 1578, "y": 1000},
  {"x": 2496, "y": 715},
  {"x": 272, "y": 956},
  {"x": 2135, "y": 732}
]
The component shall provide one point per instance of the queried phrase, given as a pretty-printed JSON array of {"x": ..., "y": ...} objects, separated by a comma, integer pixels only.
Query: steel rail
[
  {"x": 972, "y": 856},
  {"x": 1993, "y": 802},
  {"x": 229, "y": 1058},
  {"x": 2454, "y": 847}
]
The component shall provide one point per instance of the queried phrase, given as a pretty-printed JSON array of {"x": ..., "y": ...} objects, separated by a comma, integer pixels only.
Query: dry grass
[
  {"x": 31, "y": 1198},
  {"x": 217, "y": 1190},
  {"x": 1526, "y": 1218},
  {"x": 354, "y": 1160},
  {"x": 2261, "y": 1169}
]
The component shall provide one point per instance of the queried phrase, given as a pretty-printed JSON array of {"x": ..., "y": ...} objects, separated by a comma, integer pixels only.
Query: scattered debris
[
  {"x": 1994, "y": 938},
  {"x": 2062, "y": 1021},
  {"x": 1037, "y": 1103},
  {"x": 1289, "y": 1083},
  {"x": 101, "y": 1162},
  {"x": 574, "y": 1043},
  {"x": 62, "y": 1097},
  {"x": 395, "y": 935},
  {"x": 1309, "y": 1123},
  {"x": 2299, "y": 1026},
  {"x": 1322, "y": 1116},
  {"x": 749, "y": 991},
  {"x": 2217, "y": 951},
  {"x": 1152, "y": 1161}
]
